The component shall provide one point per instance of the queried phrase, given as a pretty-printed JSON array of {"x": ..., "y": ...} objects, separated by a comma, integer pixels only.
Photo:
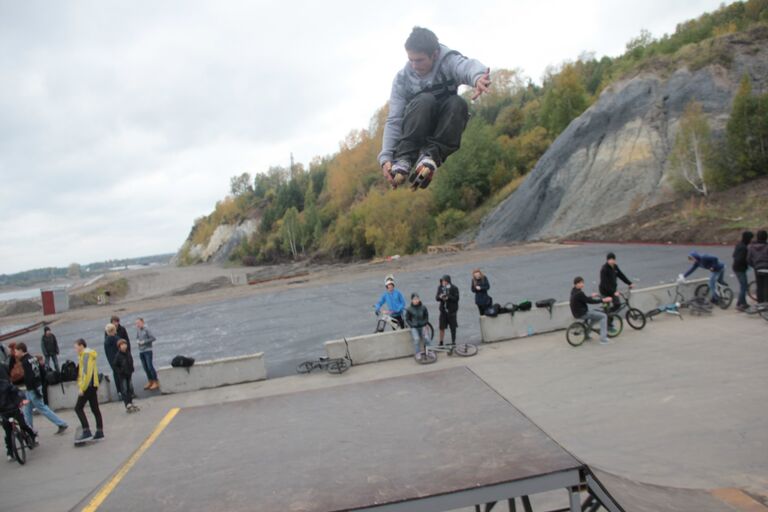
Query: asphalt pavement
[{"x": 290, "y": 325}]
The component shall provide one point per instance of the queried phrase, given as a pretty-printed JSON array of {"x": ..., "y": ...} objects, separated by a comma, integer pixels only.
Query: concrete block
[
  {"x": 522, "y": 324},
  {"x": 373, "y": 347},
  {"x": 68, "y": 398},
  {"x": 212, "y": 374}
]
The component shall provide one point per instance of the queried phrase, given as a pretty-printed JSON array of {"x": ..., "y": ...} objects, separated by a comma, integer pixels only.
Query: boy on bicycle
[
  {"x": 393, "y": 301},
  {"x": 711, "y": 263},
  {"x": 11, "y": 399},
  {"x": 417, "y": 317},
  {"x": 580, "y": 308}
]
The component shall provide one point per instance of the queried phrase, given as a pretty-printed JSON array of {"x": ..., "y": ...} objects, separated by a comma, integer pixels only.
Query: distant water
[{"x": 32, "y": 293}]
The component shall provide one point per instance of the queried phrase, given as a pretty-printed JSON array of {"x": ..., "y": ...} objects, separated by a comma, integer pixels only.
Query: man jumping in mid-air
[{"x": 426, "y": 116}]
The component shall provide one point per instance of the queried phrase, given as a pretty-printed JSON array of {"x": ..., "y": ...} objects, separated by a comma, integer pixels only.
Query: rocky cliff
[{"x": 612, "y": 160}]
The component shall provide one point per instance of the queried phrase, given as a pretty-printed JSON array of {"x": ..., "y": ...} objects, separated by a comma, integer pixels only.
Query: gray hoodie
[
  {"x": 407, "y": 84},
  {"x": 145, "y": 339}
]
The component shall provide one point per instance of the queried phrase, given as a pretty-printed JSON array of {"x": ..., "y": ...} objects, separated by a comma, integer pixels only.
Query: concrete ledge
[
  {"x": 373, "y": 347},
  {"x": 522, "y": 324},
  {"x": 67, "y": 400},
  {"x": 212, "y": 374}
]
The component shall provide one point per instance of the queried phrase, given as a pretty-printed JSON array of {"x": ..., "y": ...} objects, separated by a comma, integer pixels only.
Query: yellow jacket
[{"x": 87, "y": 371}]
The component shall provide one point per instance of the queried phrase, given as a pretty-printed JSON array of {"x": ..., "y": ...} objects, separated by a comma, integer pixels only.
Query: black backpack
[
  {"x": 68, "y": 371},
  {"x": 52, "y": 377},
  {"x": 182, "y": 362},
  {"x": 492, "y": 310}
]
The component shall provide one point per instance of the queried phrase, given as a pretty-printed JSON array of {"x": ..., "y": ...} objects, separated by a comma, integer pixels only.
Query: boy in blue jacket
[
  {"x": 393, "y": 301},
  {"x": 711, "y": 263}
]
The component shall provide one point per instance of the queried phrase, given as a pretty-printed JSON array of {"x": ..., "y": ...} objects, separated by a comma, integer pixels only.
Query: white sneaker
[{"x": 605, "y": 342}]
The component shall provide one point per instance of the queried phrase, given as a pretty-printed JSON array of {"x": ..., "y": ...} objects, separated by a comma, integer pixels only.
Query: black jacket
[
  {"x": 481, "y": 296},
  {"x": 49, "y": 345},
  {"x": 608, "y": 281},
  {"x": 580, "y": 302},
  {"x": 416, "y": 316},
  {"x": 122, "y": 334},
  {"x": 123, "y": 363},
  {"x": 110, "y": 349},
  {"x": 757, "y": 255},
  {"x": 448, "y": 297},
  {"x": 740, "y": 257},
  {"x": 10, "y": 396},
  {"x": 34, "y": 375}
]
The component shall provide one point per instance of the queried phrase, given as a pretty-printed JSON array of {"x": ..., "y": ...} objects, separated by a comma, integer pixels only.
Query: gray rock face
[{"x": 612, "y": 160}]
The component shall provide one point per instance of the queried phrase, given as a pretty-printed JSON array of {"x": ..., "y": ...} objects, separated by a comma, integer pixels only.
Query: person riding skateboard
[{"x": 426, "y": 115}]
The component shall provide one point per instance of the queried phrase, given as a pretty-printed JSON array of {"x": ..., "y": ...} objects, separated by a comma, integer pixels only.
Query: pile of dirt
[
  {"x": 719, "y": 218},
  {"x": 205, "y": 286},
  {"x": 19, "y": 307}
]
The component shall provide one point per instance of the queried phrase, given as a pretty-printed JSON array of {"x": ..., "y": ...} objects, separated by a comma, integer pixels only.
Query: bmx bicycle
[
  {"x": 578, "y": 332},
  {"x": 20, "y": 441},
  {"x": 724, "y": 293},
  {"x": 428, "y": 354},
  {"x": 697, "y": 306},
  {"x": 634, "y": 317},
  {"x": 337, "y": 365},
  {"x": 386, "y": 320}
]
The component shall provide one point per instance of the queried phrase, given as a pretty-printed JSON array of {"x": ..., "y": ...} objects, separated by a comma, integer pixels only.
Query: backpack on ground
[
  {"x": 492, "y": 310},
  {"x": 52, "y": 377},
  {"x": 182, "y": 362},
  {"x": 68, "y": 371}
]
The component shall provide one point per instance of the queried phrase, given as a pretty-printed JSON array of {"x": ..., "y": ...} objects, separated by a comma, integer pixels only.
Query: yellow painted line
[{"x": 110, "y": 486}]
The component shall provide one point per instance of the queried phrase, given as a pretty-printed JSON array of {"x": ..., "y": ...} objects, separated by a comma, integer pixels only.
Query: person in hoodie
[
  {"x": 448, "y": 298},
  {"x": 740, "y": 268},
  {"x": 757, "y": 258},
  {"x": 50, "y": 348},
  {"x": 123, "y": 365},
  {"x": 34, "y": 377},
  {"x": 708, "y": 262},
  {"x": 417, "y": 317},
  {"x": 88, "y": 387},
  {"x": 393, "y": 300},
  {"x": 426, "y": 115},
  {"x": 11, "y": 399}
]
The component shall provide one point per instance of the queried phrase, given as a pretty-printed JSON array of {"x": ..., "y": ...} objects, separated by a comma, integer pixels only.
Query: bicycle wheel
[
  {"x": 702, "y": 291},
  {"x": 305, "y": 367},
  {"x": 426, "y": 357},
  {"x": 429, "y": 331},
  {"x": 764, "y": 313},
  {"x": 752, "y": 290},
  {"x": 338, "y": 366},
  {"x": 465, "y": 349},
  {"x": 576, "y": 334},
  {"x": 18, "y": 447},
  {"x": 635, "y": 318},
  {"x": 726, "y": 298},
  {"x": 652, "y": 313},
  {"x": 616, "y": 325}
]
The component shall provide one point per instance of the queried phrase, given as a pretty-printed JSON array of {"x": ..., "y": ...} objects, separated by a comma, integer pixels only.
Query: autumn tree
[
  {"x": 239, "y": 185},
  {"x": 692, "y": 158},
  {"x": 747, "y": 135},
  {"x": 564, "y": 100}
]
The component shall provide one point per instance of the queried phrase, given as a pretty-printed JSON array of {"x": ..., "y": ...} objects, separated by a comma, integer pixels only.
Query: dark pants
[
  {"x": 448, "y": 320},
  {"x": 126, "y": 388},
  {"x": 482, "y": 309},
  {"x": 761, "y": 276},
  {"x": 92, "y": 399},
  {"x": 16, "y": 414},
  {"x": 146, "y": 362},
  {"x": 743, "y": 284},
  {"x": 117, "y": 378},
  {"x": 432, "y": 126}
]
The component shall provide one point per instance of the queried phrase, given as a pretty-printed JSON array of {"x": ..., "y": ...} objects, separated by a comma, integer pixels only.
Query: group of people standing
[{"x": 23, "y": 378}]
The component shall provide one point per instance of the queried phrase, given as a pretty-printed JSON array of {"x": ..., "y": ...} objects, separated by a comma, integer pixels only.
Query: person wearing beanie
[
  {"x": 448, "y": 298},
  {"x": 708, "y": 262},
  {"x": 740, "y": 268},
  {"x": 609, "y": 275},
  {"x": 757, "y": 258},
  {"x": 417, "y": 318}
]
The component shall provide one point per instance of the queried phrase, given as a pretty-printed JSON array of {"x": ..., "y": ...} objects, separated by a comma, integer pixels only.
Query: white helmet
[{"x": 390, "y": 279}]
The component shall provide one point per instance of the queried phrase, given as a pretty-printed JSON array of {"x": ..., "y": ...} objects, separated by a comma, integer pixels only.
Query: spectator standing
[
  {"x": 110, "y": 351},
  {"x": 757, "y": 258},
  {"x": 145, "y": 339},
  {"x": 480, "y": 287},
  {"x": 448, "y": 298},
  {"x": 50, "y": 348},
  {"x": 417, "y": 318},
  {"x": 123, "y": 365},
  {"x": 740, "y": 268}
]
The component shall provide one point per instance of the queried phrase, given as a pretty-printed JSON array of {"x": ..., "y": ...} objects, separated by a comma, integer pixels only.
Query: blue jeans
[
  {"x": 146, "y": 362},
  {"x": 743, "y": 284},
  {"x": 716, "y": 276},
  {"x": 417, "y": 333},
  {"x": 598, "y": 316},
  {"x": 38, "y": 404}
]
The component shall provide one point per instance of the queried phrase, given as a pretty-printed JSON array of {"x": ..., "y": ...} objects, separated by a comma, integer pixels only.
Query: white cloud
[{"x": 122, "y": 122}]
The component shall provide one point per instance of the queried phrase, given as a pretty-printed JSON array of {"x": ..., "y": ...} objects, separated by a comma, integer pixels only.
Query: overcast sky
[{"x": 121, "y": 122}]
